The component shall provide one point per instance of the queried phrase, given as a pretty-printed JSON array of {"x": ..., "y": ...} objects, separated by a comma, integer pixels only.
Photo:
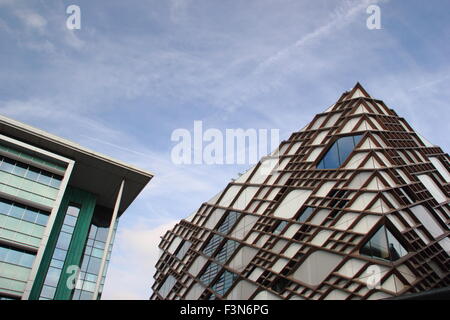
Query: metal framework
[{"x": 371, "y": 221}]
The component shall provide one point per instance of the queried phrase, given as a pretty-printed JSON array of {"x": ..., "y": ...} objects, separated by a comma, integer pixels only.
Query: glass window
[
  {"x": 30, "y": 215},
  {"x": 305, "y": 214},
  {"x": 94, "y": 265},
  {"x": 184, "y": 247},
  {"x": 5, "y": 206},
  {"x": 13, "y": 257},
  {"x": 64, "y": 240},
  {"x": 339, "y": 152},
  {"x": 20, "y": 169},
  {"x": 73, "y": 211},
  {"x": 55, "y": 183},
  {"x": 57, "y": 263},
  {"x": 210, "y": 273},
  {"x": 102, "y": 234},
  {"x": 7, "y": 165},
  {"x": 16, "y": 256},
  {"x": 32, "y": 175},
  {"x": 227, "y": 250},
  {"x": 228, "y": 222},
  {"x": 48, "y": 292},
  {"x": 42, "y": 219},
  {"x": 59, "y": 254},
  {"x": 26, "y": 260},
  {"x": 17, "y": 211},
  {"x": 44, "y": 178},
  {"x": 3, "y": 253},
  {"x": 52, "y": 276},
  {"x": 70, "y": 220},
  {"x": 383, "y": 245},
  {"x": 212, "y": 244},
  {"x": 280, "y": 227},
  {"x": 225, "y": 281}
]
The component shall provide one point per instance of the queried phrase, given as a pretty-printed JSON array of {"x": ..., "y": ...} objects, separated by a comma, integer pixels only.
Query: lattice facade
[{"x": 356, "y": 207}]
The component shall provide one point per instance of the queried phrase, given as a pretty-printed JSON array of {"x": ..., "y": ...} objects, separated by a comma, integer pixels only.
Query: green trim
[{"x": 87, "y": 202}]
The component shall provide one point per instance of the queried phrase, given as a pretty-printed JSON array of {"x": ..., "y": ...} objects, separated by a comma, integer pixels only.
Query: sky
[{"x": 138, "y": 70}]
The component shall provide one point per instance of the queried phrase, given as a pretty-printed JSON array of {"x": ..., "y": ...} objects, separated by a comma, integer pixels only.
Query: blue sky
[{"x": 137, "y": 70}]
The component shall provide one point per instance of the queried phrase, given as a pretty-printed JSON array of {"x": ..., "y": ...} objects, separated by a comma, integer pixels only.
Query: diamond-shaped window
[{"x": 339, "y": 152}]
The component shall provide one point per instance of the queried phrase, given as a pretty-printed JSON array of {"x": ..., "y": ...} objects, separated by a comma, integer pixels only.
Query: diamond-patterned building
[{"x": 355, "y": 207}]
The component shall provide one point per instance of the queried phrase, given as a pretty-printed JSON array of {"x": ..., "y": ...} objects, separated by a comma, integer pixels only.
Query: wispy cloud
[{"x": 138, "y": 70}]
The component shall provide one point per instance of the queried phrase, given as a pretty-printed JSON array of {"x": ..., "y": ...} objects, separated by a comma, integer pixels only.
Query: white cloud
[
  {"x": 32, "y": 19},
  {"x": 133, "y": 261}
]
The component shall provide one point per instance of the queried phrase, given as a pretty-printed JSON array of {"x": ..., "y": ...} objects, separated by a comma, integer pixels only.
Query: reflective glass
[
  {"x": 228, "y": 222},
  {"x": 70, "y": 220},
  {"x": 345, "y": 146},
  {"x": 305, "y": 214},
  {"x": 94, "y": 265},
  {"x": 5, "y": 206},
  {"x": 44, "y": 178},
  {"x": 64, "y": 240},
  {"x": 17, "y": 212},
  {"x": 7, "y": 165},
  {"x": 102, "y": 234},
  {"x": 212, "y": 244},
  {"x": 32, "y": 175},
  {"x": 20, "y": 169},
  {"x": 13, "y": 257},
  {"x": 42, "y": 219},
  {"x": 383, "y": 245},
  {"x": 26, "y": 260},
  {"x": 73, "y": 211},
  {"x": 30, "y": 215},
  {"x": 52, "y": 277},
  {"x": 280, "y": 227},
  {"x": 48, "y": 292},
  {"x": 339, "y": 152},
  {"x": 331, "y": 159},
  {"x": 59, "y": 254}
]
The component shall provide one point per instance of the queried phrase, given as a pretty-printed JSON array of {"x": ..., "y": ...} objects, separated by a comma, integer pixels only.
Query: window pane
[
  {"x": 339, "y": 152},
  {"x": 30, "y": 215},
  {"x": 17, "y": 211},
  {"x": 396, "y": 250},
  {"x": 7, "y": 165},
  {"x": 345, "y": 146},
  {"x": 73, "y": 211},
  {"x": 52, "y": 276},
  {"x": 42, "y": 219},
  {"x": 48, "y": 292},
  {"x": 102, "y": 234},
  {"x": 32, "y": 175},
  {"x": 94, "y": 265},
  {"x": 384, "y": 245},
  {"x": 44, "y": 178},
  {"x": 20, "y": 169},
  {"x": 55, "y": 183},
  {"x": 26, "y": 260},
  {"x": 63, "y": 241},
  {"x": 70, "y": 220},
  {"x": 59, "y": 254},
  {"x": 5, "y": 206},
  {"x": 13, "y": 256},
  {"x": 331, "y": 159},
  {"x": 305, "y": 214}
]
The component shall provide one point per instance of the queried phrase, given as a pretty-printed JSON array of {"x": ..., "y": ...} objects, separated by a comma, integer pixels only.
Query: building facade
[
  {"x": 353, "y": 206},
  {"x": 59, "y": 209}
]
